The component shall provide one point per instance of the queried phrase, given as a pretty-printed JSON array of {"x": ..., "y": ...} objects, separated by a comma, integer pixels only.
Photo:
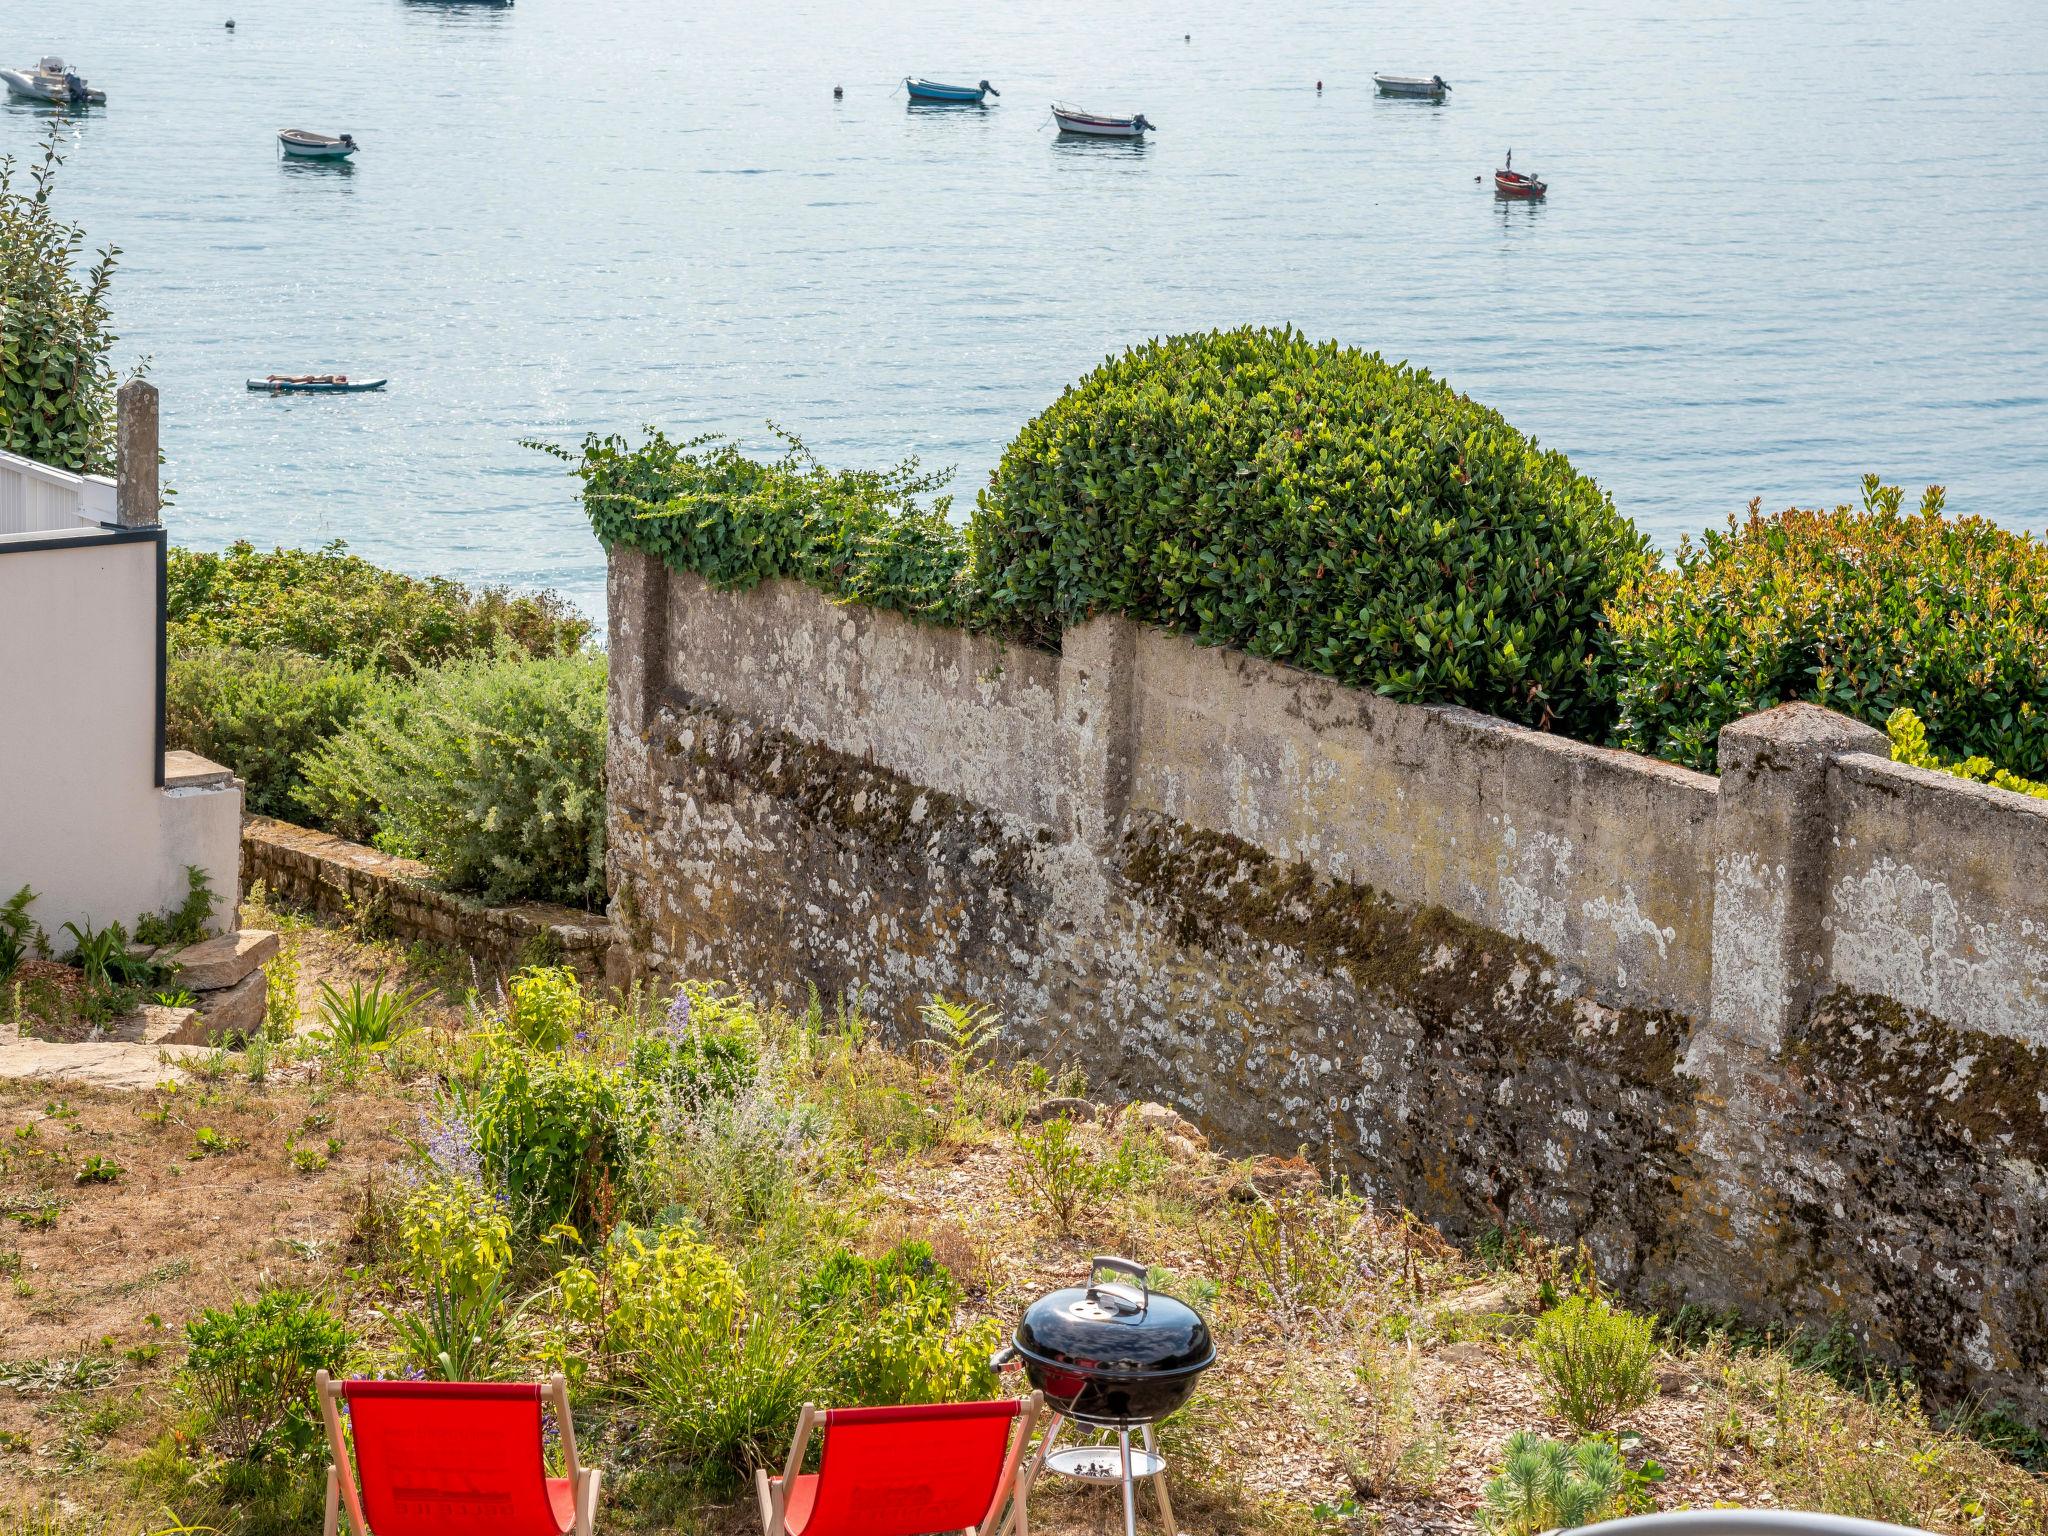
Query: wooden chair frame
[
  {"x": 772, "y": 1490},
  {"x": 344, "y": 1492}
]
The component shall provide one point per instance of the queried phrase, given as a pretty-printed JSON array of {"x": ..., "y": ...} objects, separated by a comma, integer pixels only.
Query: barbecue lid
[{"x": 1126, "y": 1328}]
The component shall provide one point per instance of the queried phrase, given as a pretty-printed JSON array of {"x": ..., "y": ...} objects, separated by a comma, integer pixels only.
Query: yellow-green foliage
[
  {"x": 545, "y": 1006},
  {"x": 1596, "y": 1361},
  {"x": 1862, "y": 610},
  {"x": 641, "y": 1286},
  {"x": 455, "y": 1237},
  {"x": 1909, "y": 745}
]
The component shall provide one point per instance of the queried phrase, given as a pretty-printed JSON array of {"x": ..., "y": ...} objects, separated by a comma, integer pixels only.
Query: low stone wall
[
  {"x": 391, "y": 896},
  {"x": 1776, "y": 1041}
]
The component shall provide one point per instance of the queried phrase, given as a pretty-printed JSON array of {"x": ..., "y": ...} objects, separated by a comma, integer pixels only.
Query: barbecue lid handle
[{"x": 1140, "y": 1299}]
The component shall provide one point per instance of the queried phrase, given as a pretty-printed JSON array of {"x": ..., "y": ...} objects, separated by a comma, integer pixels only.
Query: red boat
[{"x": 1509, "y": 182}]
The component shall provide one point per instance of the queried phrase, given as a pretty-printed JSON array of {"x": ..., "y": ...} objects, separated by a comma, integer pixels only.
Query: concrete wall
[
  {"x": 84, "y": 819},
  {"x": 1776, "y": 1041}
]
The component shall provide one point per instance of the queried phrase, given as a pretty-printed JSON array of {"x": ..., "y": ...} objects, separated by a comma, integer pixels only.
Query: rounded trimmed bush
[
  {"x": 1318, "y": 505},
  {"x": 1865, "y": 610}
]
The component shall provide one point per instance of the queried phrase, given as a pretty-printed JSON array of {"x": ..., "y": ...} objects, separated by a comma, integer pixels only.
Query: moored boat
[
  {"x": 50, "y": 80},
  {"x": 316, "y": 146},
  {"x": 1509, "y": 182},
  {"x": 1431, "y": 86},
  {"x": 932, "y": 90},
  {"x": 314, "y": 383},
  {"x": 1089, "y": 125}
]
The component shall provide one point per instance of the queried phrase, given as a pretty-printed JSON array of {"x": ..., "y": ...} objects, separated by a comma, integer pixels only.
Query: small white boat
[
  {"x": 50, "y": 80},
  {"x": 316, "y": 146},
  {"x": 1088, "y": 125},
  {"x": 1431, "y": 86}
]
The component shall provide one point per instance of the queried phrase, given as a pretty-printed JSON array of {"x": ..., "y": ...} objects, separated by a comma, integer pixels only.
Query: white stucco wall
[{"x": 82, "y": 819}]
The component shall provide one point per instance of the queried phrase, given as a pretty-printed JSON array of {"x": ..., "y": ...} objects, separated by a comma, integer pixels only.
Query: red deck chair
[
  {"x": 452, "y": 1458},
  {"x": 916, "y": 1471}
]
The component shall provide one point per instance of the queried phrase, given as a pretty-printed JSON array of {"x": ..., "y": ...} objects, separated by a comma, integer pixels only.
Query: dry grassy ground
[{"x": 1368, "y": 1371}]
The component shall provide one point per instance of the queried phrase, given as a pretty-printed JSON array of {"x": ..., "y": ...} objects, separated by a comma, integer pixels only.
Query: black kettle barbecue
[
  {"x": 1112, "y": 1354},
  {"x": 1116, "y": 1356}
]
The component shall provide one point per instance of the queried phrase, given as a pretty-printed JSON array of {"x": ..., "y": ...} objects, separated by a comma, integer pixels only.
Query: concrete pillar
[
  {"x": 1772, "y": 832},
  {"x": 1773, "y": 829},
  {"x": 137, "y": 501},
  {"x": 1098, "y": 665},
  {"x": 636, "y": 609}
]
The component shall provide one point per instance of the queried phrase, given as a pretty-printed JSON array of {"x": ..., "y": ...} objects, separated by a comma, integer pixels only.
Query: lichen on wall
[{"x": 1771, "y": 1043}]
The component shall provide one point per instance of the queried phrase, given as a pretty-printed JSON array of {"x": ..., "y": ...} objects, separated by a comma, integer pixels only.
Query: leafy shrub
[
  {"x": 554, "y": 1131},
  {"x": 329, "y": 604},
  {"x": 1909, "y": 745},
  {"x": 1862, "y": 610},
  {"x": 260, "y": 712},
  {"x": 702, "y": 1050},
  {"x": 1543, "y": 1485},
  {"x": 186, "y": 922},
  {"x": 251, "y": 1369},
  {"x": 56, "y": 383},
  {"x": 1595, "y": 1360},
  {"x": 491, "y": 771},
  {"x": 455, "y": 1237},
  {"x": 1317, "y": 505},
  {"x": 17, "y": 932},
  {"x": 544, "y": 1006},
  {"x": 1055, "y": 1173},
  {"x": 702, "y": 505},
  {"x": 641, "y": 1287},
  {"x": 894, "y": 1339}
]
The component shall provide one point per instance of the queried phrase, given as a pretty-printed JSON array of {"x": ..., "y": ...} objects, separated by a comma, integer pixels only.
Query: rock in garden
[{"x": 1055, "y": 1109}]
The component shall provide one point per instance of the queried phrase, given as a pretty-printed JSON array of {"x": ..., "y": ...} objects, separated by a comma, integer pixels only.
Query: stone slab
[
  {"x": 216, "y": 964},
  {"x": 233, "y": 1014}
]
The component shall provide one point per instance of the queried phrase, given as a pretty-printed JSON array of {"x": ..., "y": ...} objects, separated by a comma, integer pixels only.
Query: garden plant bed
[{"x": 1369, "y": 1373}]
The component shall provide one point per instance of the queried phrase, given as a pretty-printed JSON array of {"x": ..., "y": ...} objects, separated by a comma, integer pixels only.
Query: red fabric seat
[
  {"x": 912, "y": 1471},
  {"x": 447, "y": 1458}
]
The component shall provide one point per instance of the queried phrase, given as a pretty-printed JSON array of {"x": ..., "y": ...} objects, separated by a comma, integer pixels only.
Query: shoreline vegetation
[{"x": 707, "y": 1210}]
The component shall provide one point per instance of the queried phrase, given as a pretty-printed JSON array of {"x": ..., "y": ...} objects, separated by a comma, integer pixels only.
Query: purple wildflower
[
  {"x": 451, "y": 1147},
  {"x": 679, "y": 1017}
]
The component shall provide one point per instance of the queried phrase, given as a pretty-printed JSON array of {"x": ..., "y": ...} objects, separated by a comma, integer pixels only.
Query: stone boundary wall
[
  {"x": 1776, "y": 1041},
  {"x": 337, "y": 878}
]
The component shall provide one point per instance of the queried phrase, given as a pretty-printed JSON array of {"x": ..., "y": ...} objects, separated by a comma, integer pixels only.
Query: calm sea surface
[{"x": 1785, "y": 243}]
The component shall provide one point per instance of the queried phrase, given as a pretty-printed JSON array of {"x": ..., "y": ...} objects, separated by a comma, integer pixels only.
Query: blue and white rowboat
[{"x": 931, "y": 90}]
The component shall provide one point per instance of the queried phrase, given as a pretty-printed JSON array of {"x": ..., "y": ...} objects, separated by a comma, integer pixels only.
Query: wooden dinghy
[
  {"x": 1431, "y": 87},
  {"x": 316, "y": 146},
  {"x": 1091, "y": 126}
]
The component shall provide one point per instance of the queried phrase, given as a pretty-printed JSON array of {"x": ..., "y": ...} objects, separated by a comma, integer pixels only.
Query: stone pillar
[
  {"x": 136, "y": 500},
  {"x": 1098, "y": 663},
  {"x": 1772, "y": 832},
  {"x": 1773, "y": 829}
]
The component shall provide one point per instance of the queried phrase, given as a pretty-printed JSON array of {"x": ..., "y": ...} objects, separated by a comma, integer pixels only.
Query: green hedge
[
  {"x": 1318, "y": 505},
  {"x": 1310, "y": 503},
  {"x": 490, "y": 770},
  {"x": 702, "y": 505},
  {"x": 339, "y": 607},
  {"x": 261, "y": 712},
  {"x": 1865, "y": 610}
]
